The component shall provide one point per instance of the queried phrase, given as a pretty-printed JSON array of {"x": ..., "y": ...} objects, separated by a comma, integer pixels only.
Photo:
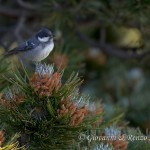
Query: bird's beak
[{"x": 52, "y": 36}]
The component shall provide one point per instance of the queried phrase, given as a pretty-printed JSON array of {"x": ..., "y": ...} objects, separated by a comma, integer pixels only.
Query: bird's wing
[{"x": 28, "y": 45}]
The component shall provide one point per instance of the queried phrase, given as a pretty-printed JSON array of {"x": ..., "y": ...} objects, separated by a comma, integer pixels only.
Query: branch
[
  {"x": 27, "y": 5},
  {"x": 14, "y": 12},
  {"x": 110, "y": 49}
]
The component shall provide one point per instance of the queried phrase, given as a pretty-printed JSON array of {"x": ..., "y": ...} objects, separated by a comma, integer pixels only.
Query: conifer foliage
[
  {"x": 42, "y": 111},
  {"x": 46, "y": 111}
]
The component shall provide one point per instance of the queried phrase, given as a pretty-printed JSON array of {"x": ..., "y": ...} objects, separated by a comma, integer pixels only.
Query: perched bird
[{"x": 37, "y": 48}]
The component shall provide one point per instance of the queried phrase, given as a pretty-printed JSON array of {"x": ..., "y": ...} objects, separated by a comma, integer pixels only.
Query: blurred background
[{"x": 106, "y": 41}]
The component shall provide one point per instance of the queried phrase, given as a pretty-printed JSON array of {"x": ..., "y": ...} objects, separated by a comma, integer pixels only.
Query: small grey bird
[{"x": 36, "y": 48}]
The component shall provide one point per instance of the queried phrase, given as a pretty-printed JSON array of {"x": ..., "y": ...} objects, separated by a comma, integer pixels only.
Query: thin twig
[
  {"x": 110, "y": 49},
  {"x": 27, "y": 5},
  {"x": 15, "y": 12}
]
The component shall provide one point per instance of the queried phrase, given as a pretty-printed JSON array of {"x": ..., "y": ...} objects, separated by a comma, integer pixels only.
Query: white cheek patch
[{"x": 44, "y": 39}]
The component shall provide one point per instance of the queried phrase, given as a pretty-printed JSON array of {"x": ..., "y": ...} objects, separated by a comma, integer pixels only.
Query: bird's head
[{"x": 44, "y": 35}]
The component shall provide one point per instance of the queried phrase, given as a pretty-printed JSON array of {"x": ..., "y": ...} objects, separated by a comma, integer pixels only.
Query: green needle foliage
[
  {"x": 12, "y": 144},
  {"x": 48, "y": 114},
  {"x": 51, "y": 114}
]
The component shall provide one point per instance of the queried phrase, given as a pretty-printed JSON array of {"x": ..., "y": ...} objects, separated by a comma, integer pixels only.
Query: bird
[{"x": 35, "y": 49}]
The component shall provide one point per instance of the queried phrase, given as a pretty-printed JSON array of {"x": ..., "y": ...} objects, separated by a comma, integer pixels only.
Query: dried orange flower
[
  {"x": 60, "y": 60},
  {"x": 119, "y": 144},
  {"x": 10, "y": 99},
  {"x": 68, "y": 108},
  {"x": 45, "y": 81},
  {"x": 5, "y": 103},
  {"x": 1, "y": 137},
  {"x": 18, "y": 99},
  {"x": 45, "y": 85},
  {"x": 120, "y": 140}
]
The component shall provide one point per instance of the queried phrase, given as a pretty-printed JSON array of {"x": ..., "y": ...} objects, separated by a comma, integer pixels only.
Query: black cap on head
[{"x": 44, "y": 32}]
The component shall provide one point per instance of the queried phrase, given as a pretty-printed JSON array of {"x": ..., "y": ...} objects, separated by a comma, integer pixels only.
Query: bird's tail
[{"x": 9, "y": 53}]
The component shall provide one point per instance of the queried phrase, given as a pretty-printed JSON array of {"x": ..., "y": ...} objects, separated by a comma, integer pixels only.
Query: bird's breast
[
  {"x": 39, "y": 53},
  {"x": 46, "y": 50}
]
